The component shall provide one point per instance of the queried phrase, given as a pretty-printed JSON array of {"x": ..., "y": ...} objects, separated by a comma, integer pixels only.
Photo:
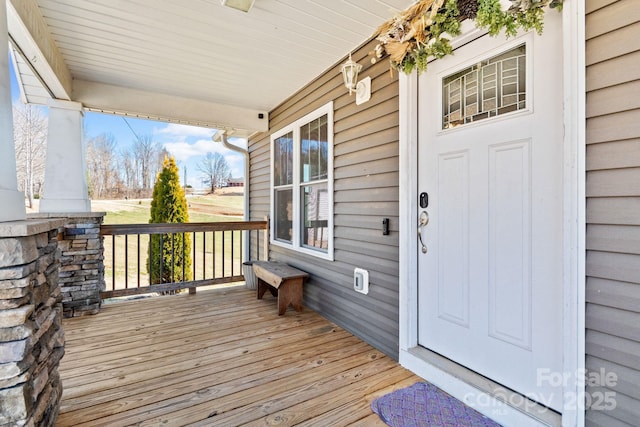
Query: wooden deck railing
[{"x": 216, "y": 249}]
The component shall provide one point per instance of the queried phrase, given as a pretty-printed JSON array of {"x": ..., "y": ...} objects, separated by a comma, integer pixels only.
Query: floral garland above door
[{"x": 424, "y": 31}]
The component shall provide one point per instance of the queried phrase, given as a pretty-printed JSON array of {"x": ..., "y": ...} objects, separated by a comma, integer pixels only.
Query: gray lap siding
[
  {"x": 613, "y": 206},
  {"x": 365, "y": 191}
]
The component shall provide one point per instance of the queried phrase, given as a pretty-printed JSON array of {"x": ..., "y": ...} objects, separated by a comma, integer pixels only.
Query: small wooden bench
[{"x": 282, "y": 281}]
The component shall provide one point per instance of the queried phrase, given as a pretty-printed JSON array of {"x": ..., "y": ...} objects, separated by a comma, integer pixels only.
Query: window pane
[
  {"x": 314, "y": 149},
  {"x": 487, "y": 89},
  {"x": 315, "y": 216},
  {"x": 283, "y": 160},
  {"x": 284, "y": 215}
]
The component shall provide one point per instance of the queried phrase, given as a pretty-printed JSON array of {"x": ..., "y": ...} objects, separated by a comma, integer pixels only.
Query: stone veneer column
[
  {"x": 31, "y": 335},
  {"x": 81, "y": 262}
]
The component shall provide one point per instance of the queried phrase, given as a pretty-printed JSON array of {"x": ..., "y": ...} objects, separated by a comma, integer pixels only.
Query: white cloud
[
  {"x": 236, "y": 164},
  {"x": 184, "y": 130},
  {"x": 183, "y": 150}
]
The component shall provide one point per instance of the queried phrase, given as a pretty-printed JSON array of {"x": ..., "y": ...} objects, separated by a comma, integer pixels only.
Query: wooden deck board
[
  {"x": 196, "y": 379},
  {"x": 219, "y": 357},
  {"x": 148, "y": 351}
]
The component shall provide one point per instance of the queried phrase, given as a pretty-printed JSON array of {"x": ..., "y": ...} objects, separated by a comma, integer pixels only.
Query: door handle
[{"x": 424, "y": 220}]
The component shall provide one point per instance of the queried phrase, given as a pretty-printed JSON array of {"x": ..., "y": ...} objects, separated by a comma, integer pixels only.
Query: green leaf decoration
[{"x": 423, "y": 32}]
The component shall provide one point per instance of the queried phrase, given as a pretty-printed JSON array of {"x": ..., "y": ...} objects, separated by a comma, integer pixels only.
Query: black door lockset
[{"x": 424, "y": 200}]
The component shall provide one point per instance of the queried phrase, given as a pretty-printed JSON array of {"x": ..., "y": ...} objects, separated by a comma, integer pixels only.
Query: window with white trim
[{"x": 302, "y": 184}]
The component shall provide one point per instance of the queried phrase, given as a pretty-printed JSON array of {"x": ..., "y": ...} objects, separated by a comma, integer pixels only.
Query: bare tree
[
  {"x": 128, "y": 172},
  {"x": 157, "y": 161},
  {"x": 102, "y": 166},
  {"x": 144, "y": 152},
  {"x": 215, "y": 169},
  {"x": 30, "y": 133}
]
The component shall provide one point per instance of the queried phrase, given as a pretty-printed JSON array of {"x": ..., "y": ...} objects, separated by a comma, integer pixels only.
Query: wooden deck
[{"x": 219, "y": 358}]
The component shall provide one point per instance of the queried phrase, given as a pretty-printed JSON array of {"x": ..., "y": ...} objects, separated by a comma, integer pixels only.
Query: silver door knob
[{"x": 424, "y": 220}]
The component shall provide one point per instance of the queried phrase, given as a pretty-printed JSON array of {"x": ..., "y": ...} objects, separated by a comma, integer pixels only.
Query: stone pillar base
[
  {"x": 31, "y": 334},
  {"x": 81, "y": 262}
]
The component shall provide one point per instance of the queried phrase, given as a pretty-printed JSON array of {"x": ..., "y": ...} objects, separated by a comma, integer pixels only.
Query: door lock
[{"x": 424, "y": 200}]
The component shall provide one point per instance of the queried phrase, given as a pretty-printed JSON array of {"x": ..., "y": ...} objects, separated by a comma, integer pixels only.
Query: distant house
[{"x": 235, "y": 182}]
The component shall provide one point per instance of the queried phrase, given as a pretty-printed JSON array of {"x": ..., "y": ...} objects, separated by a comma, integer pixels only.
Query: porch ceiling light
[
  {"x": 243, "y": 5},
  {"x": 350, "y": 70}
]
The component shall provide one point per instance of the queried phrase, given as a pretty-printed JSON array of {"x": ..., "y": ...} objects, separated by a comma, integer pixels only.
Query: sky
[{"x": 188, "y": 144}]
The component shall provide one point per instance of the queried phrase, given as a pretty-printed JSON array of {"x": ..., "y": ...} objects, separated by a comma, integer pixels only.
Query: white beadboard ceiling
[{"x": 200, "y": 50}]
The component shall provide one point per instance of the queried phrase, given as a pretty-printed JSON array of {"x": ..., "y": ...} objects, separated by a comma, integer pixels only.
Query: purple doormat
[{"x": 424, "y": 404}]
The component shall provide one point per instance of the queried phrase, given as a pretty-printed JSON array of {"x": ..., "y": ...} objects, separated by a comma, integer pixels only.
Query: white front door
[{"x": 491, "y": 161}]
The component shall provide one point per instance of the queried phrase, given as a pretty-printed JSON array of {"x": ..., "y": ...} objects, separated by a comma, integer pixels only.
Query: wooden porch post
[{"x": 11, "y": 200}]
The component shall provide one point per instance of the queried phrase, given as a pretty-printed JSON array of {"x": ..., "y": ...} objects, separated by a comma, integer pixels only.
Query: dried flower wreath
[{"x": 424, "y": 31}]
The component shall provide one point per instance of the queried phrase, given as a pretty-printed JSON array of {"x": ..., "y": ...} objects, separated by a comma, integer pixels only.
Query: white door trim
[{"x": 573, "y": 30}]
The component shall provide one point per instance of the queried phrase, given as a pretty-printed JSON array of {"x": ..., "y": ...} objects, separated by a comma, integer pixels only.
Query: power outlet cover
[
  {"x": 361, "y": 281},
  {"x": 363, "y": 91}
]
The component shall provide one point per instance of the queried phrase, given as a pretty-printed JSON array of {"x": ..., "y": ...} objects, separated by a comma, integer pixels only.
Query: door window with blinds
[
  {"x": 487, "y": 89},
  {"x": 302, "y": 184}
]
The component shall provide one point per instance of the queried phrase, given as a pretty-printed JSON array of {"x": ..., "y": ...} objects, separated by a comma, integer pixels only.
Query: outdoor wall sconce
[
  {"x": 243, "y": 5},
  {"x": 350, "y": 70}
]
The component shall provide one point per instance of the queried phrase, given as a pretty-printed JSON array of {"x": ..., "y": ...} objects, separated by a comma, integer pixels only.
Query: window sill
[{"x": 328, "y": 256}]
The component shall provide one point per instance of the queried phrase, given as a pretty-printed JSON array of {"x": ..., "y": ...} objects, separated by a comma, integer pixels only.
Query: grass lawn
[{"x": 201, "y": 209}]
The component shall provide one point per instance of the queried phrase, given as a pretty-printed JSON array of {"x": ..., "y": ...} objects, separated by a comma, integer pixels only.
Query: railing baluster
[
  {"x": 113, "y": 262},
  {"x": 233, "y": 257},
  {"x": 184, "y": 247},
  {"x": 204, "y": 254},
  {"x": 173, "y": 257},
  {"x": 160, "y": 279},
  {"x": 138, "y": 260},
  {"x": 126, "y": 261},
  {"x": 213, "y": 255},
  {"x": 149, "y": 260},
  {"x": 265, "y": 242},
  {"x": 224, "y": 272},
  {"x": 193, "y": 237}
]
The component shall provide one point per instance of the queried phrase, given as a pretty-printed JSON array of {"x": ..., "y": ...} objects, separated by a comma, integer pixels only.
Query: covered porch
[
  {"x": 196, "y": 63},
  {"x": 220, "y": 357}
]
